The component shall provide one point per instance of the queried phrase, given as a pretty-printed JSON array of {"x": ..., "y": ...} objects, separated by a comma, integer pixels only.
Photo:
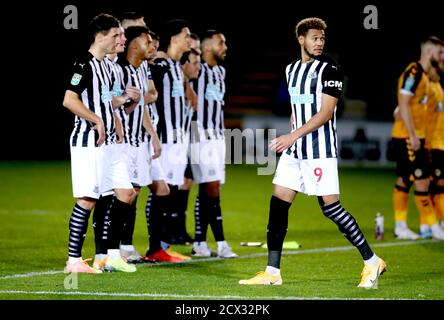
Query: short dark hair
[
  {"x": 131, "y": 15},
  {"x": 186, "y": 56},
  {"x": 134, "y": 32},
  {"x": 154, "y": 35},
  {"x": 171, "y": 28},
  {"x": 433, "y": 40},
  {"x": 194, "y": 36},
  {"x": 208, "y": 34},
  {"x": 309, "y": 23},
  {"x": 102, "y": 23}
]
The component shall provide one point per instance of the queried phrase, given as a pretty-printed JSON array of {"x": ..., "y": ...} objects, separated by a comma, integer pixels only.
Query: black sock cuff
[
  {"x": 421, "y": 193},
  {"x": 331, "y": 205},
  {"x": 83, "y": 210}
]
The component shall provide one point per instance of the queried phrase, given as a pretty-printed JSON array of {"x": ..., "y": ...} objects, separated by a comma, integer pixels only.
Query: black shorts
[
  {"x": 437, "y": 163},
  {"x": 410, "y": 164}
]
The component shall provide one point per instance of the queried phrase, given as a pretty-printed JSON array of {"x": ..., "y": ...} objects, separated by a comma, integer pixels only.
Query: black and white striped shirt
[
  {"x": 92, "y": 81},
  {"x": 133, "y": 122},
  {"x": 306, "y": 84},
  {"x": 210, "y": 90},
  {"x": 170, "y": 105}
]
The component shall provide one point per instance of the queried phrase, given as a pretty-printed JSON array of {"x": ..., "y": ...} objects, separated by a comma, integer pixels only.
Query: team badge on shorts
[
  {"x": 170, "y": 175},
  {"x": 96, "y": 189},
  {"x": 76, "y": 79},
  {"x": 437, "y": 173},
  {"x": 418, "y": 173},
  {"x": 211, "y": 172}
]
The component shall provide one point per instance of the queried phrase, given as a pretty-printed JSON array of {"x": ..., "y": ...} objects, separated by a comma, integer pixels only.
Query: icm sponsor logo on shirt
[
  {"x": 333, "y": 84},
  {"x": 107, "y": 95},
  {"x": 117, "y": 91},
  {"x": 297, "y": 98},
  {"x": 213, "y": 93},
  {"x": 178, "y": 90}
]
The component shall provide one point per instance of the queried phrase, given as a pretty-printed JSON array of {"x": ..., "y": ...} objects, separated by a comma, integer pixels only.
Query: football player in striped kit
[
  {"x": 208, "y": 145},
  {"x": 97, "y": 164},
  {"x": 309, "y": 155},
  {"x": 170, "y": 105}
]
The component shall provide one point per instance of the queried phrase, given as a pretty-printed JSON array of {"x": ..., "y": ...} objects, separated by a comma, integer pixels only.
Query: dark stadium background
[{"x": 38, "y": 51}]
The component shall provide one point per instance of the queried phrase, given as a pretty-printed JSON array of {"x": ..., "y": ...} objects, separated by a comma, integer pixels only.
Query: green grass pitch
[{"x": 36, "y": 202}]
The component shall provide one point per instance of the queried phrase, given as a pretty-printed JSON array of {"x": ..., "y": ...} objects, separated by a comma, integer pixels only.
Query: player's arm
[
  {"x": 151, "y": 95},
  {"x": 406, "y": 115},
  {"x": 129, "y": 99},
  {"x": 119, "y": 127},
  {"x": 72, "y": 102},
  {"x": 191, "y": 95},
  {"x": 148, "y": 125},
  {"x": 81, "y": 77},
  {"x": 282, "y": 143}
]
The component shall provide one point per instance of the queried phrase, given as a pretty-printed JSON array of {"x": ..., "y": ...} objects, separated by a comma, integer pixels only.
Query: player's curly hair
[{"x": 309, "y": 23}]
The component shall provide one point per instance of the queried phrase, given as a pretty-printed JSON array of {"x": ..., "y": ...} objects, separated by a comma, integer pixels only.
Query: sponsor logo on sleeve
[{"x": 76, "y": 79}]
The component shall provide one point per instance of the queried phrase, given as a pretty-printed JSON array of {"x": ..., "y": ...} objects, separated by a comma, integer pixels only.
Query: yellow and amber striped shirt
[
  {"x": 435, "y": 117},
  {"x": 415, "y": 83}
]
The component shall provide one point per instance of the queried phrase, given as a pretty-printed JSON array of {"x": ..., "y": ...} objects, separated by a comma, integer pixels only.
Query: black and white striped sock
[
  {"x": 349, "y": 227},
  {"x": 78, "y": 225}
]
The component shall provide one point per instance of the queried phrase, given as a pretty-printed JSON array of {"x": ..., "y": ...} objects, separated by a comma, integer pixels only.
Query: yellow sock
[
  {"x": 438, "y": 200},
  {"x": 427, "y": 214},
  {"x": 400, "y": 203}
]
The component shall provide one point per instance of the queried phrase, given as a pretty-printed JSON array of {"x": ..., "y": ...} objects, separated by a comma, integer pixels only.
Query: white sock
[
  {"x": 372, "y": 261},
  {"x": 127, "y": 247},
  {"x": 100, "y": 256},
  {"x": 200, "y": 244},
  {"x": 436, "y": 228},
  {"x": 273, "y": 271},
  {"x": 72, "y": 260},
  {"x": 114, "y": 253},
  {"x": 424, "y": 228},
  {"x": 221, "y": 244},
  {"x": 401, "y": 225}
]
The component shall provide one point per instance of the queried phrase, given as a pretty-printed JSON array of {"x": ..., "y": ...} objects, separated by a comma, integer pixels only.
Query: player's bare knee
[
  {"x": 212, "y": 189},
  {"x": 422, "y": 185},
  {"x": 87, "y": 203},
  {"x": 327, "y": 200},
  {"x": 125, "y": 195}
]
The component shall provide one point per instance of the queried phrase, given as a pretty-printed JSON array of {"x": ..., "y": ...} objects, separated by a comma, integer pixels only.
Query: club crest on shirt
[
  {"x": 313, "y": 75},
  {"x": 76, "y": 79}
]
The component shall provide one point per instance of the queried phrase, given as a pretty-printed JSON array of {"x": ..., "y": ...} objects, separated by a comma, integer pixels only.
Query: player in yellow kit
[
  {"x": 408, "y": 136},
  {"x": 435, "y": 138}
]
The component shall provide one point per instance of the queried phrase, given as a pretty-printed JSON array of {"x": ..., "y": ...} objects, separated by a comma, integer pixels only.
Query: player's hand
[
  {"x": 415, "y": 144},
  {"x": 282, "y": 143},
  {"x": 156, "y": 147},
  {"x": 119, "y": 131},
  {"x": 100, "y": 128},
  {"x": 133, "y": 93}
]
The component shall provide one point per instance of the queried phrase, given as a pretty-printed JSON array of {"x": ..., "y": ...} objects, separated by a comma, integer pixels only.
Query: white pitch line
[
  {"x": 247, "y": 256},
  {"x": 179, "y": 296}
]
